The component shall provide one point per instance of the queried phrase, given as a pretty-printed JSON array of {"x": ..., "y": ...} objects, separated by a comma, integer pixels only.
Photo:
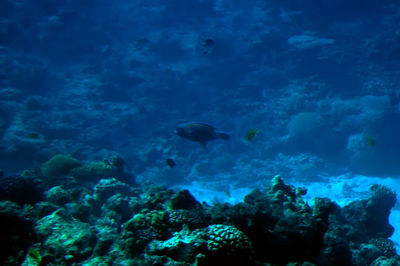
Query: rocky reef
[{"x": 59, "y": 219}]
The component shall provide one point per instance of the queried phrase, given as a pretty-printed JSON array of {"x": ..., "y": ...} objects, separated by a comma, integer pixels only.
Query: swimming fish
[
  {"x": 251, "y": 134},
  {"x": 33, "y": 135},
  {"x": 227, "y": 193},
  {"x": 200, "y": 132},
  {"x": 370, "y": 141},
  {"x": 207, "y": 46},
  {"x": 208, "y": 42},
  {"x": 170, "y": 162}
]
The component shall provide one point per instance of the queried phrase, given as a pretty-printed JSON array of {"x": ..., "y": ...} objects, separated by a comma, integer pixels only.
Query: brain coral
[
  {"x": 58, "y": 165},
  {"x": 226, "y": 238}
]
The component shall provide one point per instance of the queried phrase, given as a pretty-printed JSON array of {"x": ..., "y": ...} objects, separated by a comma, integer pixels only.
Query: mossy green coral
[
  {"x": 33, "y": 257},
  {"x": 157, "y": 219},
  {"x": 58, "y": 165},
  {"x": 99, "y": 170}
]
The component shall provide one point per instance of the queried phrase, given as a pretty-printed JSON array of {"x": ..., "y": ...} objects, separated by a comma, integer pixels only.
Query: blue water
[{"x": 318, "y": 79}]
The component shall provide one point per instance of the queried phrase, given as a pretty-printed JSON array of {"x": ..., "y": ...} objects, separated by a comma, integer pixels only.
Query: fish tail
[{"x": 222, "y": 135}]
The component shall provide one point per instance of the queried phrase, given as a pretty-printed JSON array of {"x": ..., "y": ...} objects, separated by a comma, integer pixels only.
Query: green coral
[
  {"x": 59, "y": 165},
  {"x": 385, "y": 245},
  {"x": 109, "y": 187},
  {"x": 226, "y": 238},
  {"x": 99, "y": 170},
  {"x": 143, "y": 228},
  {"x": 72, "y": 241},
  {"x": 216, "y": 244},
  {"x": 157, "y": 219},
  {"x": 33, "y": 257},
  {"x": 178, "y": 218}
]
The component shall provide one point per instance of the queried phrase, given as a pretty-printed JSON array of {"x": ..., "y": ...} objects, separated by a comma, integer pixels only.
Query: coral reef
[
  {"x": 64, "y": 239},
  {"x": 21, "y": 189},
  {"x": 93, "y": 171},
  {"x": 317, "y": 84},
  {"x": 150, "y": 225},
  {"x": 212, "y": 245},
  {"x": 17, "y": 233},
  {"x": 58, "y": 165}
]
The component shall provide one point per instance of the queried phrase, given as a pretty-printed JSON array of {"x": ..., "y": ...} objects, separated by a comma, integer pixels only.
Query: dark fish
[
  {"x": 227, "y": 193},
  {"x": 207, "y": 46},
  {"x": 170, "y": 162},
  {"x": 208, "y": 42},
  {"x": 200, "y": 132},
  {"x": 370, "y": 141},
  {"x": 251, "y": 134},
  {"x": 33, "y": 135}
]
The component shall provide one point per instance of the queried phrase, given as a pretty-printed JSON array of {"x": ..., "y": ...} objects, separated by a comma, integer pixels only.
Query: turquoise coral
[{"x": 226, "y": 238}]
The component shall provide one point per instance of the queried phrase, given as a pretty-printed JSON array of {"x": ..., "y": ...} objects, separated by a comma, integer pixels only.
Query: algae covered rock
[
  {"x": 93, "y": 171},
  {"x": 113, "y": 222},
  {"x": 216, "y": 244},
  {"x": 275, "y": 219},
  {"x": 68, "y": 240},
  {"x": 59, "y": 165},
  {"x": 184, "y": 200},
  {"x": 376, "y": 248},
  {"x": 323, "y": 207},
  {"x": 108, "y": 187},
  {"x": 382, "y": 200},
  {"x": 369, "y": 218},
  {"x": 57, "y": 195},
  {"x": 33, "y": 257},
  {"x": 385, "y": 261},
  {"x": 144, "y": 227},
  {"x": 118, "y": 208},
  {"x": 192, "y": 219}
]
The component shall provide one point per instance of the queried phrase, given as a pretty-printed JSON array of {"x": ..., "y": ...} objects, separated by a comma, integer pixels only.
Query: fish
[
  {"x": 207, "y": 46},
  {"x": 228, "y": 193},
  {"x": 251, "y": 134},
  {"x": 33, "y": 135},
  {"x": 370, "y": 141},
  {"x": 208, "y": 42},
  {"x": 200, "y": 132},
  {"x": 170, "y": 162}
]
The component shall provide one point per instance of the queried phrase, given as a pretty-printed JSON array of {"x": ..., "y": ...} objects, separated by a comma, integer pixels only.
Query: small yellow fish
[
  {"x": 370, "y": 141},
  {"x": 227, "y": 193},
  {"x": 251, "y": 134}
]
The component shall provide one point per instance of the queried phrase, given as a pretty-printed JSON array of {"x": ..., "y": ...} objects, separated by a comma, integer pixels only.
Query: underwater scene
[{"x": 200, "y": 132}]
